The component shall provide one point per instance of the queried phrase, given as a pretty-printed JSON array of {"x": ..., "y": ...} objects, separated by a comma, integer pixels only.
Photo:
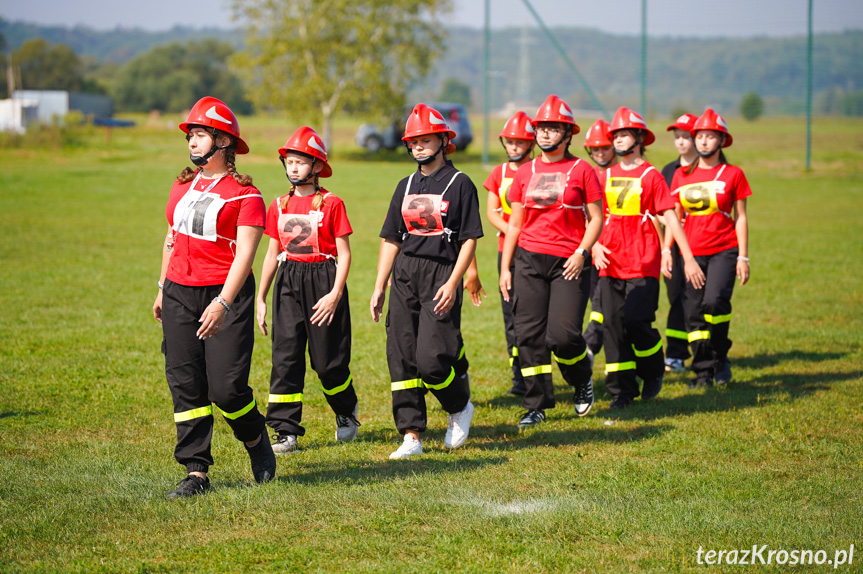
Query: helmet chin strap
[
  {"x": 625, "y": 152},
  {"x": 202, "y": 160},
  {"x": 553, "y": 148},
  {"x": 516, "y": 158},
  {"x": 305, "y": 180},
  {"x": 707, "y": 154},
  {"x": 427, "y": 159}
]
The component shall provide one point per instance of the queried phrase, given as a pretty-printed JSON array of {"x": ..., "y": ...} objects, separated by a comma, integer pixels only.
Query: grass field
[{"x": 87, "y": 435}]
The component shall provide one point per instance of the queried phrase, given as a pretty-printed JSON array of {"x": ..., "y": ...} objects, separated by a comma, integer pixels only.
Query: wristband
[
  {"x": 583, "y": 251},
  {"x": 221, "y": 301},
  {"x": 664, "y": 251},
  {"x": 160, "y": 284},
  {"x": 742, "y": 258}
]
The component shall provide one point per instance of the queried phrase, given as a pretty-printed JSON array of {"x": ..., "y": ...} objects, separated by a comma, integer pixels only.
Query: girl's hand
[
  {"x": 743, "y": 271},
  {"x": 693, "y": 273},
  {"x": 573, "y": 266},
  {"x": 473, "y": 286},
  {"x": 505, "y": 283},
  {"x": 666, "y": 265},
  {"x": 599, "y": 254},
  {"x": 157, "y": 307},
  {"x": 262, "y": 316},
  {"x": 376, "y": 305},
  {"x": 325, "y": 309},
  {"x": 211, "y": 320},
  {"x": 445, "y": 297}
]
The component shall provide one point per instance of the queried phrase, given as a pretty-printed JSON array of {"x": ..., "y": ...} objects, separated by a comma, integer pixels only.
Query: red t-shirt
[
  {"x": 498, "y": 183},
  {"x": 628, "y": 233},
  {"x": 554, "y": 196},
  {"x": 305, "y": 233},
  {"x": 708, "y": 197},
  {"x": 204, "y": 222}
]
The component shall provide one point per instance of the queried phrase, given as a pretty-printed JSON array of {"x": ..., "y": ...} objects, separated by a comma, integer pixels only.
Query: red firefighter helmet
[
  {"x": 553, "y": 109},
  {"x": 210, "y": 112},
  {"x": 426, "y": 120},
  {"x": 710, "y": 120},
  {"x": 684, "y": 122},
  {"x": 627, "y": 119},
  {"x": 597, "y": 134},
  {"x": 307, "y": 141},
  {"x": 518, "y": 127}
]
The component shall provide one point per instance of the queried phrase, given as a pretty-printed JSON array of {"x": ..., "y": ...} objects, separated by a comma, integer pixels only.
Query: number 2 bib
[{"x": 298, "y": 235}]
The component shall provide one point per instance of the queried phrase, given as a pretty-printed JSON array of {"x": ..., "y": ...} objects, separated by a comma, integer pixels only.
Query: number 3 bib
[{"x": 423, "y": 213}]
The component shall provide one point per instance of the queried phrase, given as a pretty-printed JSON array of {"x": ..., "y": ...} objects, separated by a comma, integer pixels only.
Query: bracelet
[
  {"x": 664, "y": 251},
  {"x": 160, "y": 284},
  {"x": 221, "y": 301},
  {"x": 742, "y": 258}
]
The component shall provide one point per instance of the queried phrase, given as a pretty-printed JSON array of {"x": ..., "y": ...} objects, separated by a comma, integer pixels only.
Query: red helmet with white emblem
[
  {"x": 307, "y": 141},
  {"x": 426, "y": 120},
  {"x": 684, "y": 122},
  {"x": 627, "y": 119},
  {"x": 518, "y": 127},
  {"x": 553, "y": 109},
  {"x": 597, "y": 135},
  {"x": 710, "y": 120},
  {"x": 210, "y": 112}
]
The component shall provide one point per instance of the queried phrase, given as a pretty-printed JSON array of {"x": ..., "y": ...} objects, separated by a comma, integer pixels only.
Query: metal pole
[
  {"x": 486, "y": 95},
  {"x": 809, "y": 93},
  {"x": 644, "y": 58},
  {"x": 566, "y": 59}
]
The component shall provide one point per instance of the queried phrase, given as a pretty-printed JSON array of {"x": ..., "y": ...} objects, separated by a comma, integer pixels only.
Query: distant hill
[{"x": 682, "y": 72}]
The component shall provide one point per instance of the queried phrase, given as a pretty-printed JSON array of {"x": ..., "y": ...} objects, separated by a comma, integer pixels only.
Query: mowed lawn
[{"x": 87, "y": 434}]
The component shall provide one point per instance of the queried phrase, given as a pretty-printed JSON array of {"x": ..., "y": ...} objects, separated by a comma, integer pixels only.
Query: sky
[{"x": 699, "y": 18}]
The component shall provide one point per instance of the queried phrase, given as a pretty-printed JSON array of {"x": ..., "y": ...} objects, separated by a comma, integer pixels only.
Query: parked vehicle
[{"x": 373, "y": 138}]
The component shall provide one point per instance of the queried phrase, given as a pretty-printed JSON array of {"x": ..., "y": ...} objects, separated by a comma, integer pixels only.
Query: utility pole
[
  {"x": 809, "y": 93},
  {"x": 486, "y": 96},
  {"x": 644, "y": 59}
]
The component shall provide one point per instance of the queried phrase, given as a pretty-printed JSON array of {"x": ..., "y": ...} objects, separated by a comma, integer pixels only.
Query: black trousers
[
  {"x": 633, "y": 348},
  {"x": 423, "y": 349},
  {"x": 593, "y": 333},
  {"x": 549, "y": 315},
  {"x": 708, "y": 311},
  {"x": 214, "y": 371},
  {"x": 676, "y": 336},
  {"x": 298, "y": 286},
  {"x": 509, "y": 327}
]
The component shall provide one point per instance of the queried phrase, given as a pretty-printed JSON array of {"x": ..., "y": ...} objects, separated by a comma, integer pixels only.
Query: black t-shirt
[
  {"x": 459, "y": 214},
  {"x": 668, "y": 171}
]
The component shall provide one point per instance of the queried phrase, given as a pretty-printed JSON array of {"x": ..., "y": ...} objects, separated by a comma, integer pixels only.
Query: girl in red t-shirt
[
  {"x": 629, "y": 260},
  {"x": 309, "y": 232},
  {"x": 206, "y": 297},
  {"x": 549, "y": 238},
  {"x": 517, "y": 139},
  {"x": 713, "y": 195}
]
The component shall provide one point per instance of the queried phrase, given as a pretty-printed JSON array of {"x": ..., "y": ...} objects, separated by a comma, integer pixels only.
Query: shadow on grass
[
  {"x": 7, "y": 414},
  {"x": 772, "y": 359}
]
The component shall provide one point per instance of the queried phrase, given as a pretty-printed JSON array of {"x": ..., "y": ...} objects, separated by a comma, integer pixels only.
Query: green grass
[{"x": 86, "y": 432}]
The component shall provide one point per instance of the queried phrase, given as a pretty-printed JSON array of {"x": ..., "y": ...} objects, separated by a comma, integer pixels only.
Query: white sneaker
[
  {"x": 459, "y": 427},
  {"x": 285, "y": 444},
  {"x": 409, "y": 448},
  {"x": 347, "y": 426}
]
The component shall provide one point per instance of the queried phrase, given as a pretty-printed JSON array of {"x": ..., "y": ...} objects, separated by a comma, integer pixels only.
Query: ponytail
[
  {"x": 317, "y": 202},
  {"x": 230, "y": 155}
]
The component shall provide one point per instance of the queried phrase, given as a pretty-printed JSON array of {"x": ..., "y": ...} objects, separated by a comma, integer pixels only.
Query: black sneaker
[
  {"x": 531, "y": 418},
  {"x": 263, "y": 459},
  {"x": 192, "y": 485},
  {"x": 723, "y": 373},
  {"x": 651, "y": 388},
  {"x": 619, "y": 403},
  {"x": 700, "y": 383},
  {"x": 582, "y": 398}
]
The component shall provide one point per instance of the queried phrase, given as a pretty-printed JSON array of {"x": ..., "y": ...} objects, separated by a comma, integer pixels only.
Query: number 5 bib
[{"x": 546, "y": 190}]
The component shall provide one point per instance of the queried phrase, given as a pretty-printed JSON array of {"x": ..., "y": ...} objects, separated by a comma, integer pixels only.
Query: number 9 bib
[
  {"x": 699, "y": 198},
  {"x": 422, "y": 214}
]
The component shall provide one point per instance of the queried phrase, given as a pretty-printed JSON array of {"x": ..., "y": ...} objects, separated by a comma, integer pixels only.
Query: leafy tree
[
  {"x": 172, "y": 78},
  {"x": 46, "y": 66},
  {"x": 852, "y": 104},
  {"x": 313, "y": 58},
  {"x": 751, "y": 106},
  {"x": 456, "y": 91}
]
